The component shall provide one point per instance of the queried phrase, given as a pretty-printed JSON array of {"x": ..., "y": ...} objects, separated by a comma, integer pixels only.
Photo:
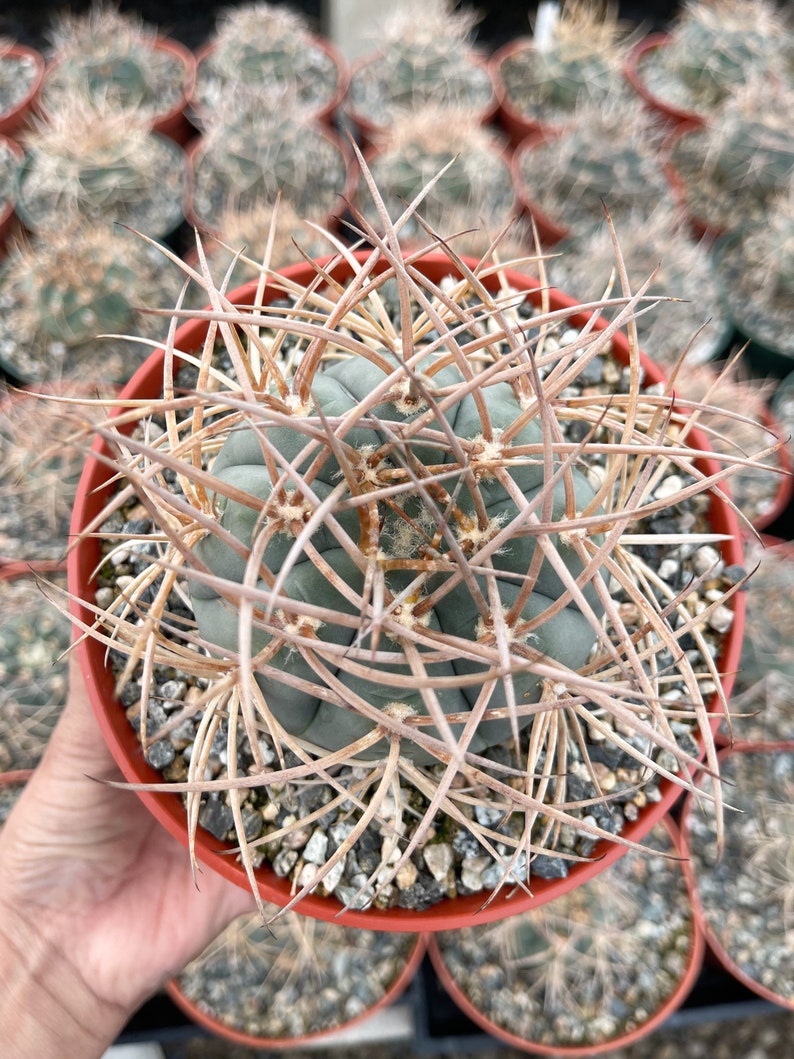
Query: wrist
[{"x": 47, "y": 1010}]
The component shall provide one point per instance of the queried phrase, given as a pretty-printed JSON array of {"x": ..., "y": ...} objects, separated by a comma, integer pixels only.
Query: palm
[{"x": 91, "y": 862}]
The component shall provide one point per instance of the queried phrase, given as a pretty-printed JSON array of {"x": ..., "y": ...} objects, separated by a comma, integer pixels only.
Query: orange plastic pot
[
  {"x": 686, "y": 981},
  {"x": 216, "y": 1026},
  {"x": 14, "y": 119},
  {"x": 632, "y": 71},
  {"x": 717, "y": 948},
  {"x": 93, "y": 492}
]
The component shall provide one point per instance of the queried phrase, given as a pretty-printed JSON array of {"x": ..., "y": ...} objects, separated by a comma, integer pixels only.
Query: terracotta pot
[
  {"x": 122, "y": 739},
  {"x": 172, "y": 122},
  {"x": 684, "y": 984},
  {"x": 202, "y": 1017},
  {"x": 632, "y": 70},
  {"x": 717, "y": 946},
  {"x": 8, "y": 218},
  {"x": 13, "y": 120},
  {"x": 325, "y": 113}
]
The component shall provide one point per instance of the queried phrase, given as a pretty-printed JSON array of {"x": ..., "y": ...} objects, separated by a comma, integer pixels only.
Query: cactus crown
[
  {"x": 716, "y": 47},
  {"x": 111, "y": 57},
  {"x": 98, "y": 163},
  {"x": 581, "y": 61},
  {"x": 402, "y": 535},
  {"x": 267, "y": 48}
]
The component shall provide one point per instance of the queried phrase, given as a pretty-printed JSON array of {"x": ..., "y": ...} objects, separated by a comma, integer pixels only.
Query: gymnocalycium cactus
[
  {"x": 400, "y": 555},
  {"x": 111, "y": 57}
]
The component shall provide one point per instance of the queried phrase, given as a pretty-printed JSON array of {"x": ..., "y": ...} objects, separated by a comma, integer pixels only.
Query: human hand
[{"x": 98, "y": 903}]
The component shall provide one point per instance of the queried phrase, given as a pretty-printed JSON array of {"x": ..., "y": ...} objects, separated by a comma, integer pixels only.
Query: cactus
[
  {"x": 268, "y": 50},
  {"x": 10, "y": 162},
  {"x": 409, "y": 543},
  {"x": 477, "y": 184},
  {"x": 424, "y": 56},
  {"x": 715, "y": 48},
  {"x": 93, "y": 162},
  {"x": 656, "y": 244},
  {"x": 61, "y": 290},
  {"x": 33, "y": 673},
  {"x": 605, "y": 155},
  {"x": 755, "y": 270},
  {"x": 544, "y": 81},
  {"x": 257, "y": 156},
  {"x": 18, "y": 75},
  {"x": 110, "y": 57}
]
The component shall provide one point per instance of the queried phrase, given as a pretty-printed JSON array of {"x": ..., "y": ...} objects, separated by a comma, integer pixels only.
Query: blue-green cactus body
[{"x": 567, "y": 637}]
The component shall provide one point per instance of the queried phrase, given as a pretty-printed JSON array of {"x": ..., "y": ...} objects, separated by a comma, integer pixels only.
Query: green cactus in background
[
  {"x": 424, "y": 55},
  {"x": 605, "y": 155},
  {"x": 96, "y": 163},
  {"x": 265, "y": 49},
  {"x": 581, "y": 61},
  {"x": 715, "y": 48},
  {"x": 62, "y": 290},
  {"x": 477, "y": 184},
  {"x": 109, "y": 57},
  {"x": 252, "y": 158}
]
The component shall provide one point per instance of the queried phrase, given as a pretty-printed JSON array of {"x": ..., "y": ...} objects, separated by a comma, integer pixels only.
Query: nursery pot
[
  {"x": 632, "y": 70},
  {"x": 215, "y": 1025},
  {"x": 684, "y": 983},
  {"x": 95, "y": 488},
  {"x": 717, "y": 946},
  {"x": 15, "y": 118}
]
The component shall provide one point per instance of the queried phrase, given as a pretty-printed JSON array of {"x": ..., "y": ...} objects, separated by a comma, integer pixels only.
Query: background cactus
[
  {"x": 605, "y": 155},
  {"x": 544, "y": 81},
  {"x": 252, "y": 157},
  {"x": 109, "y": 56},
  {"x": 714, "y": 48},
  {"x": 100, "y": 164},
  {"x": 424, "y": 55},
  {"x": 478, "y": 184},
  {"x": 60, "y": 290},
  {"x": 269, "y": 50}
]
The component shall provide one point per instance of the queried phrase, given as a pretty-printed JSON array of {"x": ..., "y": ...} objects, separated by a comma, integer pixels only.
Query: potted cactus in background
[
  {"x": 104, "y": 55},
  {"x": 21, "y": 73},
  {"x": 476, "y": 182},
  {"x": 424, "y": 54},
  {"x": 250, "y": 156},
  {"x": 270, "y": 51},
  {"x": 712, "y": 48},
  {"x": 296, "y": 986},
  {"x": 400, "y": 547},
  {"x": 98, "y": 163},
  {"x": 539, "y": 81},
  {"x": 61, "y": 289},
  {"x": 607, "y": 153},
  {"x": 591, "y": 972}
]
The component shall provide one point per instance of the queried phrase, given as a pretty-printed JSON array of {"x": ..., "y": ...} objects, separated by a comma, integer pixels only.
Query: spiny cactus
[
  {"x": 476, "y": 180},
  {"x": 258, "y": 155},
  {"x": 755, "y": 270},
  {"x": 97, "y": 163},
  {"x": 110, "y": 56},
  {"x": 605, "y": 155},
  {"x": 715, "y": 48},
  {"x": 61, "y": 290},
  {"x": 545, "y": 80},
  {"x": 10, "y": 163},
  {"x": 19, "y": 72},
  {"x": 424, "y": 55},
  {"x": 413, "y": 574},
  {"x": 733, "y": 166},
  {"x": 267, "y": 49},
  {"x": 660, "y": 245}
]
